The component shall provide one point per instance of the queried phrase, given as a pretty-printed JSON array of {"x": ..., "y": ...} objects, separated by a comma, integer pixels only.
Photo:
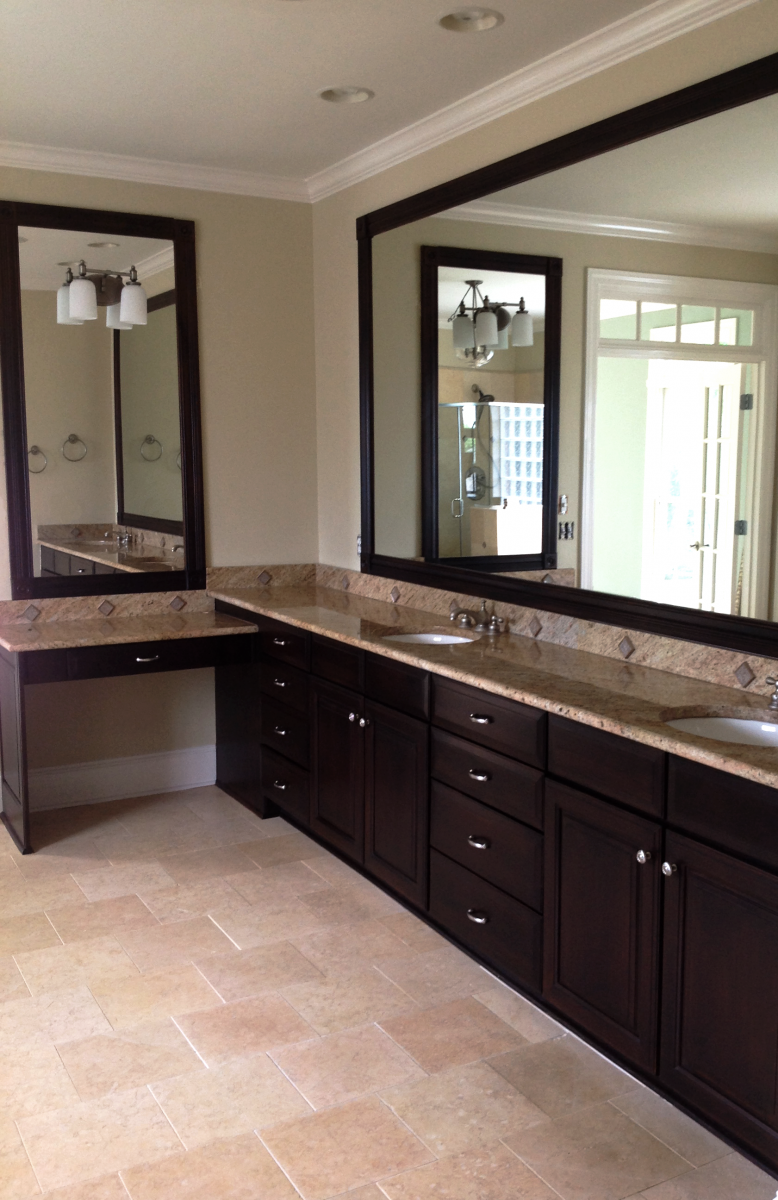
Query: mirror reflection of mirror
[
  {"x": 668, "y": 366},
  {"x": 86, "y": 402}
]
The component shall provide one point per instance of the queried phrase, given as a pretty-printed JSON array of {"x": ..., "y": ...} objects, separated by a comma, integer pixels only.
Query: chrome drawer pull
[
  {"x": 281, "y": 787},
  {"x": 281, "y": 642},
  {"x": 152, "y": 658},
  {"x": 479, "y": 776},
  {"x": 479, "y": 843},
  {"x": 281, "y": 732},
  {"x": 279, "y": 683},
  {"x": 480, "y": 719},
  {"x": 477, "y": 917}
]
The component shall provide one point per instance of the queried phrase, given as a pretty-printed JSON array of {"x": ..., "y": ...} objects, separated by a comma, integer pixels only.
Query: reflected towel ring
[
  {"x": 35, "y": 451},
  {"x": 73, "y": 440},
  {"x": 150, "y": 440},
  {"x": 178, "y": 460}
]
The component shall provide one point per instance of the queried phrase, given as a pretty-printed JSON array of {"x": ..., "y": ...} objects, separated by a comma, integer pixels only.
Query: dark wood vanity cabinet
[{"x": 338, "y": 753}]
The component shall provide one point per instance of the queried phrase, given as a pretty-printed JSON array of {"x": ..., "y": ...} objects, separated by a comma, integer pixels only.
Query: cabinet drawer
[
  {"x": 500, "y": 850},
  {"x": 286, "y": 731},
  {"x": 289, "y": 645},
  {"x": 142, "y": 658},
  {"x": 504, "y": 725},
  {"x": 613, "y": 766},
  {"x": 498, "y": 781},
  {"x": 398, "y": 686},
  {"x": 81, "y": 566},
  {"x": 286, "y": 785},
  {"x": 61, "y": 563},
  {"x": 284, "y": 683},
  {"x": 734, "y": 813},
  {"x": 498, "y": 928},
  {"x": 337, "y": 662}
]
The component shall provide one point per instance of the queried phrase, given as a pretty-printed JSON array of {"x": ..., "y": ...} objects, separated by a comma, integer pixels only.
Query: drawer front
[
  {"x": 337, "y": 662},
  {"x": 498, "y": 781},
  {"x": 284, "y": 642},
  {"x": 398, "y": 686},
  {"x": 287, "y": 684},
  {"x": 61, "y": 563},
  {"x": 613, "y": 766},
  {"x": 504, "y": 725},
  {"x": 500, "y": 850},
  {"x": 735, "y": 814},
  {"x": 142, "y": 658},
  {"x": 286, "y": 731},
  {"x": 500, "y": 930},
  {"x": 287, "y": 785},
  {"x": 81, "y": 566}
]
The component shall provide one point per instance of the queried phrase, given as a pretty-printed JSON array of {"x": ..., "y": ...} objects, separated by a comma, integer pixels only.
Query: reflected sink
[
  {"x": 428, "y": 639},
  {"x": 730, "y": 729}
]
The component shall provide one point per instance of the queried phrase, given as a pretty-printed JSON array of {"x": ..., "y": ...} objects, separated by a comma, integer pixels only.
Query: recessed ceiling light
[
  {"x": 346, "y": 95},
  {"x": 70, "y": 263},
  {"x": 103, "y": 245},
  {"x": 472, "y": 20}
]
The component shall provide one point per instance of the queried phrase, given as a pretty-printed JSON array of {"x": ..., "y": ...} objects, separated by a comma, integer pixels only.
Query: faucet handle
[{"x": 771, "y": 681}]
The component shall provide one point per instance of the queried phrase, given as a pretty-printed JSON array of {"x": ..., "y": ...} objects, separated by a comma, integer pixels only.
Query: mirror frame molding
[
  {"x": 24, "y": 583},
  {"x": 742, "y": 85},
  {"x": 433, "y": 257}
]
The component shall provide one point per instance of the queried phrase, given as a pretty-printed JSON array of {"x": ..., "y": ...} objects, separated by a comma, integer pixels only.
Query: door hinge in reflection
[
  {"x": 741, "y": 527},
  {"x": 747, "y": 401},
  {"x": 566, "y": 531},
  {"x": 359, "y": 546}
]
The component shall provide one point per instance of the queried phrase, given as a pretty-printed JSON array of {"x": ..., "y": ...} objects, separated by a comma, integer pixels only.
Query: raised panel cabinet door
[
  {"x": 338, "y": 754},
  {"x": 720, "y": 991},
  {"x": 397, "y": 800},
  {"x": 602, "y": 920}
]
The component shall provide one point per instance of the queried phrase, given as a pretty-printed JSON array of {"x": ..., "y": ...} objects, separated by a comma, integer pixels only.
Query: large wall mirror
[
  {"x": 98, "y": 350},
  {"x": 662, "y": 225}
]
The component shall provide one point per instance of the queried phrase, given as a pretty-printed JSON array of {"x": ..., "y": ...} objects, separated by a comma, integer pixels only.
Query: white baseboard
[{"x": 121, "y": 778}]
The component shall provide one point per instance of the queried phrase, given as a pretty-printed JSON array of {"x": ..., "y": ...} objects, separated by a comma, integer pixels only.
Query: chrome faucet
[
  {"x": 480, "y": 622},
  {"x": 773, "y": 705},
  {"x": 123, "y": 540}
]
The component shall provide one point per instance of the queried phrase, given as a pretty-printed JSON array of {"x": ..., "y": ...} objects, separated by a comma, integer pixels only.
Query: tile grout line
[
  {"x": 532, "y": 1169},
  {"x": 27, "y": 1152},
  {"x": 281, "y": 1168},
  {"x": 164, "y": 1114},
  {"x": 191, "y": 1043},
  {"x": 650, "y": 1133}
]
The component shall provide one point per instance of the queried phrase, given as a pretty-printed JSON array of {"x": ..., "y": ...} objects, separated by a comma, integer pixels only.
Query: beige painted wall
[{"x": 740, "y": 38}]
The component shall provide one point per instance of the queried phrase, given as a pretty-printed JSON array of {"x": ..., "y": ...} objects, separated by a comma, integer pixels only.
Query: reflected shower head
[{"x": 482, "y": 398}]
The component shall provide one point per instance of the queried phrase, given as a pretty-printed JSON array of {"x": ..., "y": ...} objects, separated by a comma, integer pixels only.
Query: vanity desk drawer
[
  {"x": 497, "y": 928},
  {"x": 143, "y": 658},
  {"x": 286, "y": 731},
  {"x": 496, "y": 780},
  {"x": 500, "y": 850},
  {"x": 503, "y": 725},
  {"x": 286, "y": 785},
  {"x": 284, "y": 642},
  {"x": 612, "y": 766},
  {"x": 284, "y": 683}
]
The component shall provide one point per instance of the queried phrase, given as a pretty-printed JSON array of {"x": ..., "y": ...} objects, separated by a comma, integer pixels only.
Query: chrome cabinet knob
[
  {"x": 478, "y": 843},
  {"x": 364, "y": 722},
  {"x": 479, "y": 776},
  {"x": 480, "y": 719},
  {"x": 352, "y": 717},
  {"x": 669, "y": 869},
  {"x": 477, "y": 917},
  {"x": 643, "y": 856}
]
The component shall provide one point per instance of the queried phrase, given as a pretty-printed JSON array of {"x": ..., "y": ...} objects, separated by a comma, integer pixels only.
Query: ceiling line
[{"x": 632, "y": 35}]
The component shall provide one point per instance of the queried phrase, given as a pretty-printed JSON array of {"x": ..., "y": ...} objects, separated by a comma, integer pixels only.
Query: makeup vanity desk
[{"x": 61, "y": 650}]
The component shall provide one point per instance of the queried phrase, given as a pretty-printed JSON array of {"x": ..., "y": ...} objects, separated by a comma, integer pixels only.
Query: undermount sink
[
  {"x": 730, "y": 729},
  {"x": 428, "y": 639}
]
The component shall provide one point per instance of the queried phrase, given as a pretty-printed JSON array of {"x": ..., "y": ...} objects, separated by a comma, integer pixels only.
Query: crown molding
[
  {"x": 632, "y": 35},
  {"x": 487, "y": 213},
  {"x": 153, "y": 171},
  {"x": 642, "y": 31},
  {"x": 161, "y": 261}
]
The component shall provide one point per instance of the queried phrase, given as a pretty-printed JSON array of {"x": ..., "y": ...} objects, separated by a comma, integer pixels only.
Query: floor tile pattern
[{"x": 196, "y": 1003}]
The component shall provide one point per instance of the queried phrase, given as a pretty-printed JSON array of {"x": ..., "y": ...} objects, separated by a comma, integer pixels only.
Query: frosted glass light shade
[
  {"x": 462, "y": 328},
  {"x": 486, "y": 328},
  {"x": 63, "y": 307},
  {"x": 83, "y": 300},
  {"x": 521, "y": 329},
  {"x": 133, "y": 309},
  {"x": 502, "y": 338},
  {"x": 113, "y": 317}
]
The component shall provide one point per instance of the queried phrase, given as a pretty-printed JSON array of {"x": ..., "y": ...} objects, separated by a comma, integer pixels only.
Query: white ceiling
[
  {"x": 231, "y": 85},
  {"x": 44, "y": 249}
]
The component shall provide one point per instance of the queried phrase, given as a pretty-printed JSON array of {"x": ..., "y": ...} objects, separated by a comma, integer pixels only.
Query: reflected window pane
[
  {"x": 736, "y": 327},
  {"x": 657, "y": 322},
  {"x": 698, "y": 324},
  {"x": 618, "y": 319}
]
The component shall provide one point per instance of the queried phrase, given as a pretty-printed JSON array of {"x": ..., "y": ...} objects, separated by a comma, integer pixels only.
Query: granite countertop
[
  {"x": 109, "y": 554},
  {"x": 629, "y": 700},
  {"x": 99, "y": 631}
]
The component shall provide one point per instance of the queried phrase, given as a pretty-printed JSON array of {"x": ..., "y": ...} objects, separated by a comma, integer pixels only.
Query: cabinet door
[
  {"x": 601, "y": 942},
  {"x": 720, "y": 991},
  {"x": 338, "y": 797},
  {"x": 397, "y": 804}
]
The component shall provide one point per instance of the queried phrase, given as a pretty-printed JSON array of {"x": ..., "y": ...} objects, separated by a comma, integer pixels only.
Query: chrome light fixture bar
[
  {"x": 480, "y": 326},
  {"x": 79, "y": 298}
]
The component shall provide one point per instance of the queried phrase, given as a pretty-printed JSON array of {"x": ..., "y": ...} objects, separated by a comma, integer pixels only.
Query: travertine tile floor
[{"x": 198, "y": 1004}]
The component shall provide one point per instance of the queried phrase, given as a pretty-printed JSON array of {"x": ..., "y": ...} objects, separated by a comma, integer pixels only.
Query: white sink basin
[
  {"x": 730, "y": 729},
  {"x": 427, "y": 639}
]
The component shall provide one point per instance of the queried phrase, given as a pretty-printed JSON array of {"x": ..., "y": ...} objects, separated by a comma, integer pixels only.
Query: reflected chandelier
[
  {"x": 78, "y": 299},
  {"x": 481, "y": 326}
]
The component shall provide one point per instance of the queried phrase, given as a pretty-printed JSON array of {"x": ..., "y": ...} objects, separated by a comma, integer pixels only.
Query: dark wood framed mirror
[
  {"x": 742, "y": 102},
  {"x": 489, "y": 414},
  {"x": 71, "y": 521}
]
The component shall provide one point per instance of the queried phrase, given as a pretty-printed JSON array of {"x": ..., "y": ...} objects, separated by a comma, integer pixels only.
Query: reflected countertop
[
  {"x": 629, "y": 700},
  {"x": 137, "y": 560}
]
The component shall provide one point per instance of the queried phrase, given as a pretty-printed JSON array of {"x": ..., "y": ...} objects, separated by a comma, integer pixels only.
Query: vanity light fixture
[
  {"x": 349, "y": 94},
  {"x": 79, "y": 298},
  {"x": 480, "y": 326},
  {"x": 472, "y": 20}
]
